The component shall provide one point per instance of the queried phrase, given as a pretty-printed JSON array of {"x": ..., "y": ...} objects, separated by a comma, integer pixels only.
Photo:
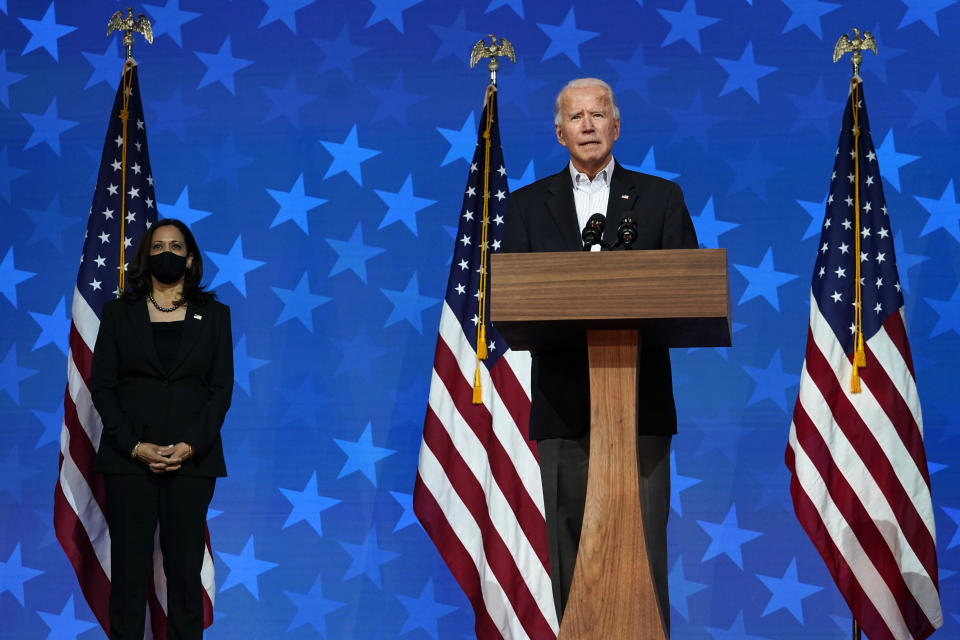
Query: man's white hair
[{"x": 578, "y": 83}]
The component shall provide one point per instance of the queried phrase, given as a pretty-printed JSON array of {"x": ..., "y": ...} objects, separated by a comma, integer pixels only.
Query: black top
[
  {"x": 141, "y": 397},
  {"x": 166, "y": 339}
]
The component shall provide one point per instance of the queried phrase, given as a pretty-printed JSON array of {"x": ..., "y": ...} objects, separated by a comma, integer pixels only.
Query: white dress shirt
[{"x": 591, "y": 196}]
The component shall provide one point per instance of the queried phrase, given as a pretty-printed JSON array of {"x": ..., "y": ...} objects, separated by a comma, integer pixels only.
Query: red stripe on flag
[
  {"x": 888, "y": 396},
  {"x": 515, "y": 399},
  {"x": 501, "y": 465},
  {"x": 82, "y": 356},
  {"x": 859, "y": 520},
  {"x": 456, "y": 556},
  {"x": 82, "y": 452},
  {"x": 158, "y": 619},
  {"x": 495, "y": 550},
  {"x": 73, "y": 538},
  {"x": 898, "y": 334},
  {"x": 867, "y": 447},
  {"x": 207, "y": 602},
  {"x": 862, "y": 607}
]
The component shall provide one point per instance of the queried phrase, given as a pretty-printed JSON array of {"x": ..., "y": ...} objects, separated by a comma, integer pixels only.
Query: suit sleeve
[
  {"x": 203, "y": 433},
  {"x": 678, "y": 231},
  {"x": 515, "y": 238},
  {"x": 117, "y": 426}
]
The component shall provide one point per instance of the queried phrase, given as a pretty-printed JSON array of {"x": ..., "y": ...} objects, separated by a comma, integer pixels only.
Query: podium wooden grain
[{"x": 675, "y": 298}]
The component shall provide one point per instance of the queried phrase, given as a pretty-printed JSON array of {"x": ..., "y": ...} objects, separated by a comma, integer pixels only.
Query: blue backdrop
[{"x": 319, "y": 151}]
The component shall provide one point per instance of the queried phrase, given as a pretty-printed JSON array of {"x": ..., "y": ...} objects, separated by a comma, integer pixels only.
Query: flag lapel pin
[{"x": 197, "y": 316}]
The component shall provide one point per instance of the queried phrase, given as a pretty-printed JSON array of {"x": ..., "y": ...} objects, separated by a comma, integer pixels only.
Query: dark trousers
[
  {"x": 563, "y": 471},
  {"x": 136, "y": 504}
]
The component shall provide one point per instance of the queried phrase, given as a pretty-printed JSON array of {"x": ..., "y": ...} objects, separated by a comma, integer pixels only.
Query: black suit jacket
[
  {"x": 139, "y": 401},
  {"x": 542, "y": 217}
]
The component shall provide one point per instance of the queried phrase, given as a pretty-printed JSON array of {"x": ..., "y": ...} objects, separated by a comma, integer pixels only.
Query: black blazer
[
  {"x": 139, "y": 401},
  {"x": 542, "y": 217}
]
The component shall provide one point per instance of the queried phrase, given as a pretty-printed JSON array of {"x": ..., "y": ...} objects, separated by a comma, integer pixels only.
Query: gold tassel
[
  {"x": 860, "y": 354},
  {"x": 854, "y": 379},
  {"x": 482, "y": 343},
  {"x": 477, "y": 397}
]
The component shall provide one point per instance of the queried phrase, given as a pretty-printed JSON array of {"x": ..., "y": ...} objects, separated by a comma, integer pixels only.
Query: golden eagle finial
[
  {"x": 856, "y": 46},
  {"x": 495, "y": 49},
  {"x": 129, "y": 26}
]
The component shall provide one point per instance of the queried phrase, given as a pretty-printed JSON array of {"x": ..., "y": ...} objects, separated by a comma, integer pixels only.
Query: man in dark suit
[{"x": 549, "y": 215}]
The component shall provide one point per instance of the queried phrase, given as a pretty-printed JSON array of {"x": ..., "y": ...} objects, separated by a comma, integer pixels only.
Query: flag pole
[
  {"x": 128, "y": 26},
  {"x": 856, "y": 46},
  {"x": 492, "y": 51}
]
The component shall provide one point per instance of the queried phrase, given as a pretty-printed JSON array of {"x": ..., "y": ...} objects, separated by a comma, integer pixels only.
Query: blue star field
[{"x": 319, "y": 150}]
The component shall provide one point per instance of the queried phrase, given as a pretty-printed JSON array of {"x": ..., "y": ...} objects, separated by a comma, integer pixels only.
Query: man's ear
[{"x": 560, "y": 135}]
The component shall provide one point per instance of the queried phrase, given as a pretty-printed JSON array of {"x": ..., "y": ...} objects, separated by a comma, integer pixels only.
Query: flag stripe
[
  {"x": 890, "y": 473},
  {"x": 82, "y": 495},
  {"x": 482, "y": 542},
  {"x": 81, "y": 356},
  {"x": 506, "y": 548},
  {"x": 523, "y": 608},
  {"x": 478, "y": 490},
  {"x": 510, "y": 402},
  {"x": 843, "y": 573},
  {"x": 860, "y": 484},
  {"x": 82, "y": 453},
  {"x": 72, "y": 536},
  {"x": 897, "y": 331},
  {"x": 456, "y": 557},
  {"x": 501, "y": 468},
  {"x": 516, "y": 401},
  {"x": 208, "y": 580},
  {"x": 85, "y": 323},
  {"x": 876, "y": 494},
  {"x": 869, "y": 535},
  {"x": 88, "y": 423},
  {"x": 897, "y": 393}
]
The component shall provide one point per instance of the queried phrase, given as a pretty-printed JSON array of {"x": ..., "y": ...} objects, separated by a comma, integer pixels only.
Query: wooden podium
[{"x": 677, "y": 298}]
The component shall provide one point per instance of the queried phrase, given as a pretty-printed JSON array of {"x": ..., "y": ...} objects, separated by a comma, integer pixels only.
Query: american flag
[
  {"x": 478, "y": 492},
  {"x": 860, "y": 484},
  {"x": 124, "y": 207}
]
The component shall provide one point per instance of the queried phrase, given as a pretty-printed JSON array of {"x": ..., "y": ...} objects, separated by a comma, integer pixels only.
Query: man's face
[{"x": 587, "y": 128}]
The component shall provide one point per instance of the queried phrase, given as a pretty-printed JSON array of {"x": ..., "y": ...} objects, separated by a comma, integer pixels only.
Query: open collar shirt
[{"x": 591, "y": 196}]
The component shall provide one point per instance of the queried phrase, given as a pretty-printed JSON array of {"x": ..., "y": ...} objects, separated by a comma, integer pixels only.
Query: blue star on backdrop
[
  {"x": 46, "y": 32},
  {"x": 362, "y": 455},
  {"x": 367, "y": 558},
  {"x": 47, "y": 127},
  {"x": 788, "y": 592},
  {"x": 169, "y": 19},
  {"x": 13, "y": 574},
  {"x": 565, "y": 38},
  {"x": 244, "y": 569},
  {"x": 65, "y": 625},
  {"x": 312, "y": 608},
  {"x": 308, "y": 505},
  {"x": 319, "y": 150}
]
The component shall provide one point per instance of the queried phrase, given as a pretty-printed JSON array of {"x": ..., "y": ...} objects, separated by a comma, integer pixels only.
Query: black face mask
[{"x": 168, "y": 267}]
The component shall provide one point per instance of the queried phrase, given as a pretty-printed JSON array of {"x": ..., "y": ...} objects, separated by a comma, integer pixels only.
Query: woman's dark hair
[{"x": 138, "y": 283}]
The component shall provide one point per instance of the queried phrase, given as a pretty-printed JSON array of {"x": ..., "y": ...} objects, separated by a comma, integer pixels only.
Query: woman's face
[{"x": 169, "y": 238}]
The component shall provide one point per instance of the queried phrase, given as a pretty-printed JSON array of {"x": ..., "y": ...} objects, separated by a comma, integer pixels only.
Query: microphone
[
  {"x": 593, "y": 231},
  {"x": 627, "y": 232}
]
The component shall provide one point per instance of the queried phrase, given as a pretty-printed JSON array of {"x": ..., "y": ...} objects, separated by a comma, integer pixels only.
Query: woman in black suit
[{"x": 161, "y": 379}]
